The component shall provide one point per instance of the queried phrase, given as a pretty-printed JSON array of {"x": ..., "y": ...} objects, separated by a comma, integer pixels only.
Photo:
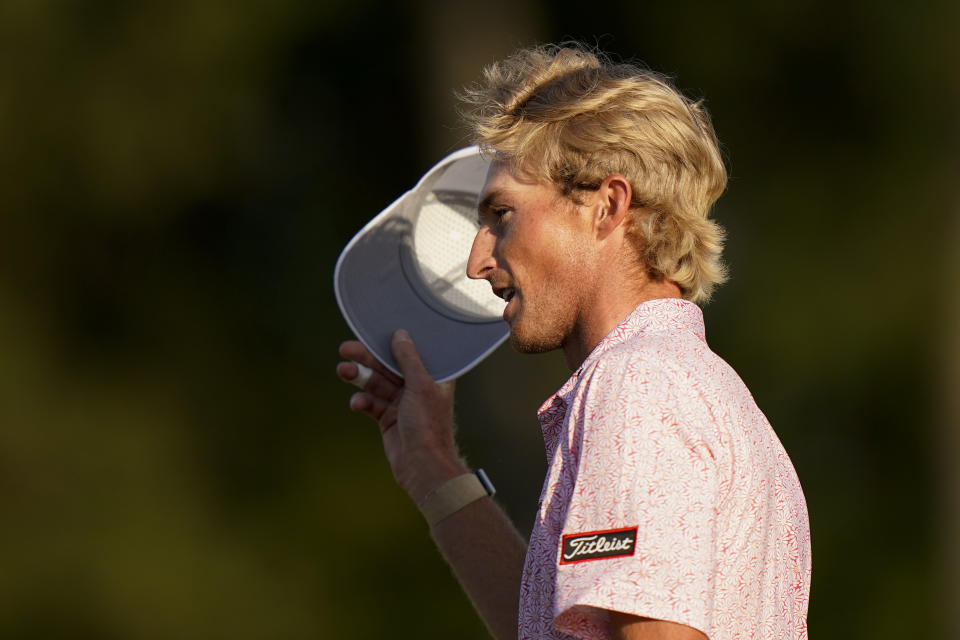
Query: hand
[{"x": 415, "y": 415}]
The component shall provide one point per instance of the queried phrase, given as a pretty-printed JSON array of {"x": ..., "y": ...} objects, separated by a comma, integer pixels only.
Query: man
[{"x": 670, "y": 509}]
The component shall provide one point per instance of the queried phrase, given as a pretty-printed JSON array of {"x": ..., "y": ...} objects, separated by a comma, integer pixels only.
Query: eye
[
  {"x": 494, "y": 216},
  {"x": 501, "y": 214}
]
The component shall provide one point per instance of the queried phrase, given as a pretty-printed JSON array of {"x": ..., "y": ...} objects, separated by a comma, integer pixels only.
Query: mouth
[{"x": 509, "y": 294}]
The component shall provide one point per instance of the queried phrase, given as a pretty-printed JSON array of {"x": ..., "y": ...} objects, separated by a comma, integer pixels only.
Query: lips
[{"x": 508, "y": 294}]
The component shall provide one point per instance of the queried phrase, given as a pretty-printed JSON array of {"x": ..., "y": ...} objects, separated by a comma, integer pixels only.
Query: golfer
[{"x": 670, "y": 509}]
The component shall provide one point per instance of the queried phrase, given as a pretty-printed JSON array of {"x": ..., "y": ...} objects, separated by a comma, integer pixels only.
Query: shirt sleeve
[{"x": 640, "y": 530}]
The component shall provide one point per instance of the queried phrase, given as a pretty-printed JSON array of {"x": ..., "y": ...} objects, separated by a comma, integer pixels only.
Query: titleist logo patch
[{"x": 597, "y": 545}]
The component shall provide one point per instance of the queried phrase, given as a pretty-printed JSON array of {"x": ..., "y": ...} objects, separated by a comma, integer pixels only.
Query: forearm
[
  {"x": 415, "y": 416},
  {"x": 486, "y": 554}
]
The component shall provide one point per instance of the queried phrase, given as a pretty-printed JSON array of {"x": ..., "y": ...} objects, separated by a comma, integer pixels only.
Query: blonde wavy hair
[{"x": 571, "y": 116}]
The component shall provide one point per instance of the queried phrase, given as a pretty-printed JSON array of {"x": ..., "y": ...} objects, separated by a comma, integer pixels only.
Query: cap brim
[{"x": 382, "y": 284}]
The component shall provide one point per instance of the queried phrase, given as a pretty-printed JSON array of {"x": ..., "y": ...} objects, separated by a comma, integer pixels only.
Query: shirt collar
[{"x": 652, "y": 316}]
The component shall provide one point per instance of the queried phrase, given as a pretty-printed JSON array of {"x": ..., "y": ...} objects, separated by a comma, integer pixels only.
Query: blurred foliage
[{"x": 177, "y": 179}]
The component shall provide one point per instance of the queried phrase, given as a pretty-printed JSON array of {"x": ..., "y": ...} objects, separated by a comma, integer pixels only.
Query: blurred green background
[{"x": 176, "y": 181}]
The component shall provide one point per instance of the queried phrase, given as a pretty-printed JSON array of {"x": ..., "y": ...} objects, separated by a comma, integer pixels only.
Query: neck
[{"x": 605, "y": 313}]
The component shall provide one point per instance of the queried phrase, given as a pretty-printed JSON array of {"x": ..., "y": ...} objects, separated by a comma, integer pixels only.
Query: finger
[
  {"x": 374, "y": 383},
  {"x": 371, "y": 405},
  {"x": 377, "y": 408},
  {"x": 356, "y": 351},
  {"x": 347, "y": 371},
  {"x": 448, "y": 387},
  {"x": 408, "y": 358},
  {"x": 364, "y": 373}
]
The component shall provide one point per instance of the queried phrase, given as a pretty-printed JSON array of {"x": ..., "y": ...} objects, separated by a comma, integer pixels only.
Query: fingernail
[{"x": 402, "y": 334}]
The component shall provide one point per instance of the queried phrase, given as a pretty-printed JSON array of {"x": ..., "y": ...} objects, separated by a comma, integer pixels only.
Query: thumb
[{"x": 408, "y": 358}]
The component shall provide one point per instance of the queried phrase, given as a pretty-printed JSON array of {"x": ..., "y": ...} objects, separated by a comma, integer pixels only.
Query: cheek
[
  {"x": 541, "y": 253},
  {"x": 512, "y": 251}
]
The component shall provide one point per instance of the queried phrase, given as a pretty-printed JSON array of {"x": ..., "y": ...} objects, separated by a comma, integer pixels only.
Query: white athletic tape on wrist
[
  {"x": 362, "y": 377},
  {"x": 454, "y": 495}
]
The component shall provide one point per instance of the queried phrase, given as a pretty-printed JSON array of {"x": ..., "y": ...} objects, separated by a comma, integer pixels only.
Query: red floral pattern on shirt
[{"x": 656, "y": 431}]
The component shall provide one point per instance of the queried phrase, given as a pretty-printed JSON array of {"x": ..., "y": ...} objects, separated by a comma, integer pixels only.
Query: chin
[
  {"x": 528, "y": 346},
  {"x": 527, "y": 340}
]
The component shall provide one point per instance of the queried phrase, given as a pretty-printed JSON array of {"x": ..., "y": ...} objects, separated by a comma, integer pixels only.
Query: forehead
[{"x": 502, "y": 180}]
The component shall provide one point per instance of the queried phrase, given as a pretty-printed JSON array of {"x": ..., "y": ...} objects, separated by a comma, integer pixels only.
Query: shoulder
[
  {"x": 666, "y": 382},
  {"x": 659, "y": 362}
]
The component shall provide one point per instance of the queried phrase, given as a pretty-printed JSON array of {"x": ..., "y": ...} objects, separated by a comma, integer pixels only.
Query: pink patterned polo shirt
[{"x": 668, "y": 495}]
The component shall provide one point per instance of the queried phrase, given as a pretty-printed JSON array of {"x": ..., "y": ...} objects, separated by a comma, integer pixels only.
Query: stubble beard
[
  {"x": 549, "y": 316},
  {"x": 523, "y": 344},
  {"x": 540, "y": 328}
]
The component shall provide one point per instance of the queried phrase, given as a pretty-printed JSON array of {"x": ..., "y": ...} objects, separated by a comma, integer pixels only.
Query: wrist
[
  {"x": 454, "y": 495},
  {"x": 427, "y": 475}
]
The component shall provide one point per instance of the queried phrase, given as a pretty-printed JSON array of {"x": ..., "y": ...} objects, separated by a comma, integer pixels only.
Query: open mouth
[{"x": 508, "y": 294}]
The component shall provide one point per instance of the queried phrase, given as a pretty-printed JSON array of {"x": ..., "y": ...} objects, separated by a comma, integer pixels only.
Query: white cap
[{"x": 406, "y": 269}]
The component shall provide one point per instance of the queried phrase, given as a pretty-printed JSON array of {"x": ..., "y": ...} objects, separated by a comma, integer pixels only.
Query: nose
[{"x": 481, "y": 261}]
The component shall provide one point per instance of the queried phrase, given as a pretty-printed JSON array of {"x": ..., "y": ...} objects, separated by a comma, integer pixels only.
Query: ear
[{"x": 613, "y": 204}]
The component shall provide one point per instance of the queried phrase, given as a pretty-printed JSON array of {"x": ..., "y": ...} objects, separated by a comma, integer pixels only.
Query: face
[{"x": 535, "y": 248}]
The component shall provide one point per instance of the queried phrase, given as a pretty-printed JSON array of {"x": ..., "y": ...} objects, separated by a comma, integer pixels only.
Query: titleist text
[{"x": 595, "y": 545}]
